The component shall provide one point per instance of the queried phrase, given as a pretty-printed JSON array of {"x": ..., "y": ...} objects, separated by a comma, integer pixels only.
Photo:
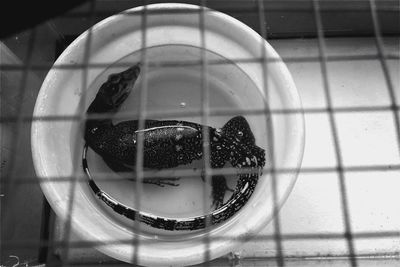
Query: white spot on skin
[
  {"x": 248, "y": 161},
  {"x": 182, "y": 104},
  {"x": 240, "y": 133},
  {"x": 178, "y": 137},
  {"x": 218, "y": 148}
]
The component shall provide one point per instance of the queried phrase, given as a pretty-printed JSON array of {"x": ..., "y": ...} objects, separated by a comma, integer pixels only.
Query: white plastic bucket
[{"x": 171, "y": 30}]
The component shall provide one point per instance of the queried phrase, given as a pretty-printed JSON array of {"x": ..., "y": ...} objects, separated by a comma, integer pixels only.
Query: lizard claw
[{"x": 217, "y": 204}]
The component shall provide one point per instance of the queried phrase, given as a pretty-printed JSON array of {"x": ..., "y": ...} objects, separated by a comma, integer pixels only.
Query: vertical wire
[
  {"x": 19, "y": 120},
  {"x": 140, "y": 138},
  {"x": 205, "y": 97},
  {"x": 385, "y": 69},
  {"x": 270, "y": 135},
  {"x": 57, "y": 33},
  {"x": 82, "y": 117},
  {"x": 45, "y": 226},
  {"x": 348, "y": 235}
]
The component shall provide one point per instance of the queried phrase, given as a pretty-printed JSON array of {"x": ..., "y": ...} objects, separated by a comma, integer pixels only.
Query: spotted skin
[{"x": 168, "y": 144}]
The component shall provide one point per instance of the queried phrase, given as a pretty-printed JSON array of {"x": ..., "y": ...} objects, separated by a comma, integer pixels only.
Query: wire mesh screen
[{"x": 349, "y": 86}]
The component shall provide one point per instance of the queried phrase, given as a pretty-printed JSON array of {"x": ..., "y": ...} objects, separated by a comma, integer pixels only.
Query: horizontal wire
[
  {"x": 295, "y": 7},
  {"x": 285, "y": 237},
  {"x": 187, "y": 173},
  {"x": 255, "y": 260},
  {"x": 170, "y": 63},
  {"x": 321, "y": 257},
  {"x": 197, "y": 112}
]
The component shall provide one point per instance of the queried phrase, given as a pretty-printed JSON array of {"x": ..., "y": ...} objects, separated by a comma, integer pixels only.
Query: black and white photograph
[{"x": 218, "y": 133}]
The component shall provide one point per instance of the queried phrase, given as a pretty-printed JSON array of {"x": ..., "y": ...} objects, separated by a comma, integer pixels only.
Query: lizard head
[
  {"x": 238, "y": 129},
  {"x": 118, "y": 86}
]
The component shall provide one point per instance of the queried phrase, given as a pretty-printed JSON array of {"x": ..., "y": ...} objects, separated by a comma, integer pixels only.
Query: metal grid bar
[
  {"x": 348, "y": 235},
  {"x": 205, "y": 100},
  {"x": 38, "y": 67},
  {"x": 270, "y": 136},
  {"x": 100, "y": 176},
  {"x": 214, "y": 112},
  {"x": 330, "y": 110},
  {"x": 140, "y": 139},
  {"x": 11, "y": 177},
  {"x": 77, "y": 144},
  {"x": 270, "y": 6},
  {"x": 286, "y": 237}
]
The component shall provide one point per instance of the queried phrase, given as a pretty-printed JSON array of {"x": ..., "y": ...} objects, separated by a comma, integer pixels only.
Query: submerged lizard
[{"x": 168, "y": 144}]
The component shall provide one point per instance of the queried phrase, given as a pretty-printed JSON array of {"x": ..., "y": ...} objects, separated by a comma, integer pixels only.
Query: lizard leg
[
  {"x": 115, "y": 165},
  {"x": 218, "y": 190},
  {"x": 162, "y": 181},
  {"x": 120, "y": 168}
]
